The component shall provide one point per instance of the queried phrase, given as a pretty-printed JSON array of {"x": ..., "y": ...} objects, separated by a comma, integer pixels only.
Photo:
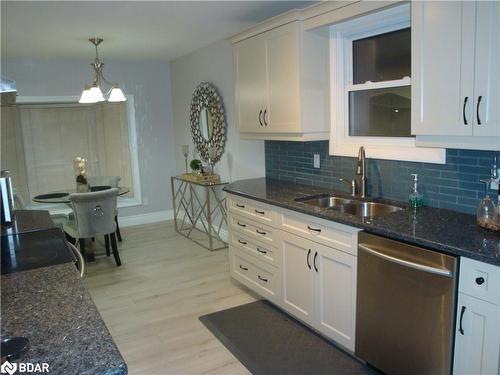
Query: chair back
[
  {"x": 95, "y": 212},
  {"x": 112, "y": 181}
]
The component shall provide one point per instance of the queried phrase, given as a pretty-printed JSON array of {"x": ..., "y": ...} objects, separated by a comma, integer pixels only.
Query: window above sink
[{"x": 371, "y": 88}]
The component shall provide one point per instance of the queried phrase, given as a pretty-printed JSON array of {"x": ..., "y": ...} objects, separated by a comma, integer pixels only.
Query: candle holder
[{"x": 185, "y": 152}]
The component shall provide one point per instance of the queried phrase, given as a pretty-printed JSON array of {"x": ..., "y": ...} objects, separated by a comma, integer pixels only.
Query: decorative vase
[{"x": 82, "y": 185}]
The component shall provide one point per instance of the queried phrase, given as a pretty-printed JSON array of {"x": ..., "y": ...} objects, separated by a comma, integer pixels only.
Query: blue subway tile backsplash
[{"x": 455, "y": 185}]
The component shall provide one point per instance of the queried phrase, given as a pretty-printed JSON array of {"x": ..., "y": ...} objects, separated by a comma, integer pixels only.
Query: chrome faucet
[{"x": 361, "y": 171}]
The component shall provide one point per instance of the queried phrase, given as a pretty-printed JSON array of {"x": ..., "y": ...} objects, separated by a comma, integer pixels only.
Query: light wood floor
[{"x": 152, "y": 303}]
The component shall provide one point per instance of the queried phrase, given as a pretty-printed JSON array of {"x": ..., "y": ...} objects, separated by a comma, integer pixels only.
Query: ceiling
[{"x": 160, "y": 30}]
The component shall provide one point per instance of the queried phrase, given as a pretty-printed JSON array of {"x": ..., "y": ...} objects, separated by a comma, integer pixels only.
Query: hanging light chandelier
[{"x": 92, "y": 92}]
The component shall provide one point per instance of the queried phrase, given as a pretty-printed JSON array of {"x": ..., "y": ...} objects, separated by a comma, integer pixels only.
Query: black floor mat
[{"x": 268, "y": 341}]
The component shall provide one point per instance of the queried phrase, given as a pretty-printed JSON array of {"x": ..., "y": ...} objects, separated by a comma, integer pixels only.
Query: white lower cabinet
[
  {"x": 477, "y": 333},
  {"x": 319, "y": 287}
]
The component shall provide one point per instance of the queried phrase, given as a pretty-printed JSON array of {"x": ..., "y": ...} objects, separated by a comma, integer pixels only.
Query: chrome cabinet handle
[
  {"x": 259, "y": 232},
  {"x": 314, "y": 261},
  {"x": 461, "y": 329},
  {"x": 259, "y": 212},
  {"x": 308, "y": 255},
  {"x": 241, "y": 225},
  {"x": 264, "y": 117},
  {"x": 242, "y": 242},
  {"x": 477, "y": 109},
  {"x": 243, "y": 268},
  {"x": 261, "y": 278},
  {"x": 402, "y": 262},
  {"x": 463, "y": 110},
  {"x": 260, "y": 117},
  {"x": 261, "y": 251},
  {"x": 240, "y": 205},
  {"x": 314, "y": 229}
]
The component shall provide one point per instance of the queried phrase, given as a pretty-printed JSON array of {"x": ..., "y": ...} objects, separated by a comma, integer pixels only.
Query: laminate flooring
[{"x": 152, "y": 303}]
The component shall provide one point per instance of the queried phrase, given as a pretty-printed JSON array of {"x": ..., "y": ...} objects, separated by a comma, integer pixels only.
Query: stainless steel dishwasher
[{"x": 405, "y": 307}]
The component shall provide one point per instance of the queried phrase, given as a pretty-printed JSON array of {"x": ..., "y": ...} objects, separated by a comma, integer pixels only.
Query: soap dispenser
[{"x": 415, "y": 197}]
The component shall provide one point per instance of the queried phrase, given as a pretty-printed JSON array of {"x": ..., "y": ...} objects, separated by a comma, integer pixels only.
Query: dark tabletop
[
  {"x": 437, "y": 229},
  {"x": 51, "y": 307},
  {"x": 26, "y": 221},
  {"x": 62, "y": 196}
]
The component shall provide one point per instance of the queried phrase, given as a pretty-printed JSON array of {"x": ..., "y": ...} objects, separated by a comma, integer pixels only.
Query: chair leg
[
  {"x": 106, "y": 243},
  {"x": 118, "y": 233},
  {"x": 82, "y": 248},
  {"x": 115, "y": 250}
]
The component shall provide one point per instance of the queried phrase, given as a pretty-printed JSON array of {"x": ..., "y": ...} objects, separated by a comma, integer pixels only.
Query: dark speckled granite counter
[
  {"x": 438, "y": 229},
  {"x": 51, "y": 307}
]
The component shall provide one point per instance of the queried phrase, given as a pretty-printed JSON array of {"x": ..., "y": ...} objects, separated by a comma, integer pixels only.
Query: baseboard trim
[{"x": 148, "y": 218}]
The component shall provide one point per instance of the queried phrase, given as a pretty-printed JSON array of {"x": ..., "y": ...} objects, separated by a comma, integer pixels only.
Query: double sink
[{"x": 352, "y": 206}]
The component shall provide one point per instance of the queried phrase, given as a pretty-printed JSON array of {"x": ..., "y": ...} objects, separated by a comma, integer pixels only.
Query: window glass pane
[
  {"x": 380, "y": 112},
  {"x": 382, "y": 57}
]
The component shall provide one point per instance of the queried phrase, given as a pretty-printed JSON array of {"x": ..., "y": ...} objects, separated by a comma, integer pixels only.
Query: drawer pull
[
  {"x": 259, "y": 232},
  {"x": 261, "y": 251},
  {"x": 242, "y": 242},
  {"x": 259, "y": 212},
  {"x": 241, "y": 225},
  {"x": 243, "y": 268},
  {"x": 240, "y": 205},
  {"x": 314, "y": 229},
  {"x": 461, "y": 329},
  {"x": 262, "y": 279},
  {"x": 479, "y": 280}
]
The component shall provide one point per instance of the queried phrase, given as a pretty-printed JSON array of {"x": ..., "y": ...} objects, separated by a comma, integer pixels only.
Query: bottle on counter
[
  {"x": 486, "y": 212},
  {"x": 415, "y": 197}
]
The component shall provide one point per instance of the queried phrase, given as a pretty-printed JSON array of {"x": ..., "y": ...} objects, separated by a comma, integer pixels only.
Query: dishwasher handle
[{"x": 406, "y": 263}]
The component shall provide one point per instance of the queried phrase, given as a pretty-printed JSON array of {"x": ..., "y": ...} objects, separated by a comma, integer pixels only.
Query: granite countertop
[
  {"x": 51, "y": 307},
  {"x": 438, "y": 229}
]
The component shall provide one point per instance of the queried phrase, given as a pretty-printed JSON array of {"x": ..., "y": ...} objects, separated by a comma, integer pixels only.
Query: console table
[{"x": 199, "y": 211}]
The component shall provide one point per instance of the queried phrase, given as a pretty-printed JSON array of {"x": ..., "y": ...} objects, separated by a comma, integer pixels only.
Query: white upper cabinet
[
  {"x": 281, "y": 84},
  {"x": 487, "y": 69},
  {"x": 455, "y": 73}
]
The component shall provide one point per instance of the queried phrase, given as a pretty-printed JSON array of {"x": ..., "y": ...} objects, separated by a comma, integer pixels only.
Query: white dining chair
[{"x": 94, "y": 215}]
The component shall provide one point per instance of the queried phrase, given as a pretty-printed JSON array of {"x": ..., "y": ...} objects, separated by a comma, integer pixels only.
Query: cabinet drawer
[
  {"x": 252, "y": 210},
  {"x": 251, "y": 273},
  {"x": 338, "y": 236},
  {"x": 480, "y": 280},
  {"x": 252, "y": 247},
  {"x": 252, "y": 229}
]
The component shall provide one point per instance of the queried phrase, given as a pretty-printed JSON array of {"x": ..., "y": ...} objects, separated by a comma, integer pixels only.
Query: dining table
[{"x": 63, "y": 196}]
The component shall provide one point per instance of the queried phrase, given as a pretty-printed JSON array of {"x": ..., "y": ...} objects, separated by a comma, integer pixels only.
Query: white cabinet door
[
  {"x": 336, "y": 295},
  {"x": 477, "y": 349},
  {"x": 487, "y": 69},
  {"x": 283, "y": 111},
  {"x": 442, "y": 67},
  {"x": 251, "y": 83},
  {"x": 298, "y": 277}
]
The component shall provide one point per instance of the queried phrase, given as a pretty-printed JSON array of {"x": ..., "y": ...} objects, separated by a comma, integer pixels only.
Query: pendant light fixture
[{"x": 92, "y": 93}]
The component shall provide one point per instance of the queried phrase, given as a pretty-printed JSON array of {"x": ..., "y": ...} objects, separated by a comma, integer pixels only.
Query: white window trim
[
  {"x": 341, "y": 144},
  {"x": 123, "y": 202}
]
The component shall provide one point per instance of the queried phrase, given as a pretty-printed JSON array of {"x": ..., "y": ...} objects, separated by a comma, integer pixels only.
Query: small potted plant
[{"x": 196, "y": 165}]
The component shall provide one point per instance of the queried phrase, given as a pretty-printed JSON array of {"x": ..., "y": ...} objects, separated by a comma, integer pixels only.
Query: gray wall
[
  {"x": 241, "y": 159},
  {"x": 148, "y": 81}
]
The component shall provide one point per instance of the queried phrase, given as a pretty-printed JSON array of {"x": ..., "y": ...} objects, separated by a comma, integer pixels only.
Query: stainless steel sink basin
[
  {"x": 350, "y": 206},
  {"x": 369, "y": 209},
  {"x": 325, "y": 201}
]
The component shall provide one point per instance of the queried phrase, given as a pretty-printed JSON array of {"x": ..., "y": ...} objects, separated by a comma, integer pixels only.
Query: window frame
[
  {"x": 123, "y": 202},
  {"x": 341, "y": 83}
]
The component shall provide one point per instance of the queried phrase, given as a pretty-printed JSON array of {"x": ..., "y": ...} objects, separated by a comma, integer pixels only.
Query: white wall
[
  {"x": 149, "y": 82},
  {"x": 214, "y": 63}
]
